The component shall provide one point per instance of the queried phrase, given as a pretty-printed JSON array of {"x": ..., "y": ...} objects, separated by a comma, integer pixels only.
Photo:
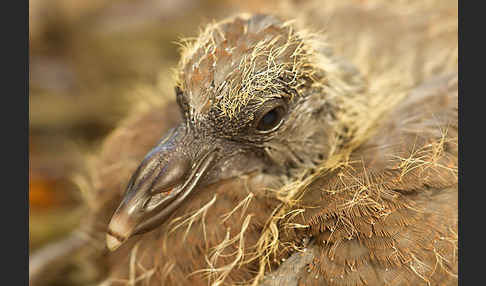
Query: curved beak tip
[
  {"x": 118, "y": 232},
  {"x": 142, "y": 210},
  {"x": 112, "y": 242}
]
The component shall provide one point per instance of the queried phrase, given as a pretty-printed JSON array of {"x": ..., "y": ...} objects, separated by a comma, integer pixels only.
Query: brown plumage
[
  {"x": 387, "y": 216},
  {"x": 348, "y": 186}
]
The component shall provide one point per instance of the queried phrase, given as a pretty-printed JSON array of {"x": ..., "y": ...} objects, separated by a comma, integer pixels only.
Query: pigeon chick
[{"x": 281, "y": 155}]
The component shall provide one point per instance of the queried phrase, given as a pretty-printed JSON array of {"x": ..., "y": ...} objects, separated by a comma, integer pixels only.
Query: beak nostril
[
  {"x": 147, "y": 201},
  {"x": 155, "y": 199}
]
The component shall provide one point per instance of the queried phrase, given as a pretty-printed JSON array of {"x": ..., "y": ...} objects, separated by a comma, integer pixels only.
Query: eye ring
[{"x": 271, "y": 119}]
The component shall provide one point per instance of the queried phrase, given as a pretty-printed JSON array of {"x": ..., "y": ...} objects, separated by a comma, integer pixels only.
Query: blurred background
[{"x": 86, "y": 59}]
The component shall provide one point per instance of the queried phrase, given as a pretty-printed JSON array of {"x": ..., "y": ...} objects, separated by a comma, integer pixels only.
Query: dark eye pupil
[{"x": 270, "y": 120}]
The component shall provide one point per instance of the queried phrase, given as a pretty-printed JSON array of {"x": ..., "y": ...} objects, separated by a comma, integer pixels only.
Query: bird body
[
  {"x": 388, "y": 216},
  {"x": 283, "y": 167},
  {"x": 377, "y": 202}
]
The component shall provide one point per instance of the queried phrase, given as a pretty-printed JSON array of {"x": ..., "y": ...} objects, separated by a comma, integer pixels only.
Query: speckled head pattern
[{"x": 240, "y": 63}]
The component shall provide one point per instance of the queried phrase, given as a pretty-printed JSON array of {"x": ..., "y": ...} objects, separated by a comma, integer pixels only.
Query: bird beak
[{"x": 160, "y": 184}]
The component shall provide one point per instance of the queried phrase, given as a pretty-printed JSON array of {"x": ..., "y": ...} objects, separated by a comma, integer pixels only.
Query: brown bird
[{"x": 283, "y": 168}]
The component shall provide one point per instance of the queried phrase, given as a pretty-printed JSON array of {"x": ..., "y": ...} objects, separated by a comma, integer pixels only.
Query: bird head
[{"x": 254, "y": 95}]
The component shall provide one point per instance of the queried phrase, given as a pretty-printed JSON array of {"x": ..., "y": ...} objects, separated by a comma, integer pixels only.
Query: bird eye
[{"x": 272, "y": 119}]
